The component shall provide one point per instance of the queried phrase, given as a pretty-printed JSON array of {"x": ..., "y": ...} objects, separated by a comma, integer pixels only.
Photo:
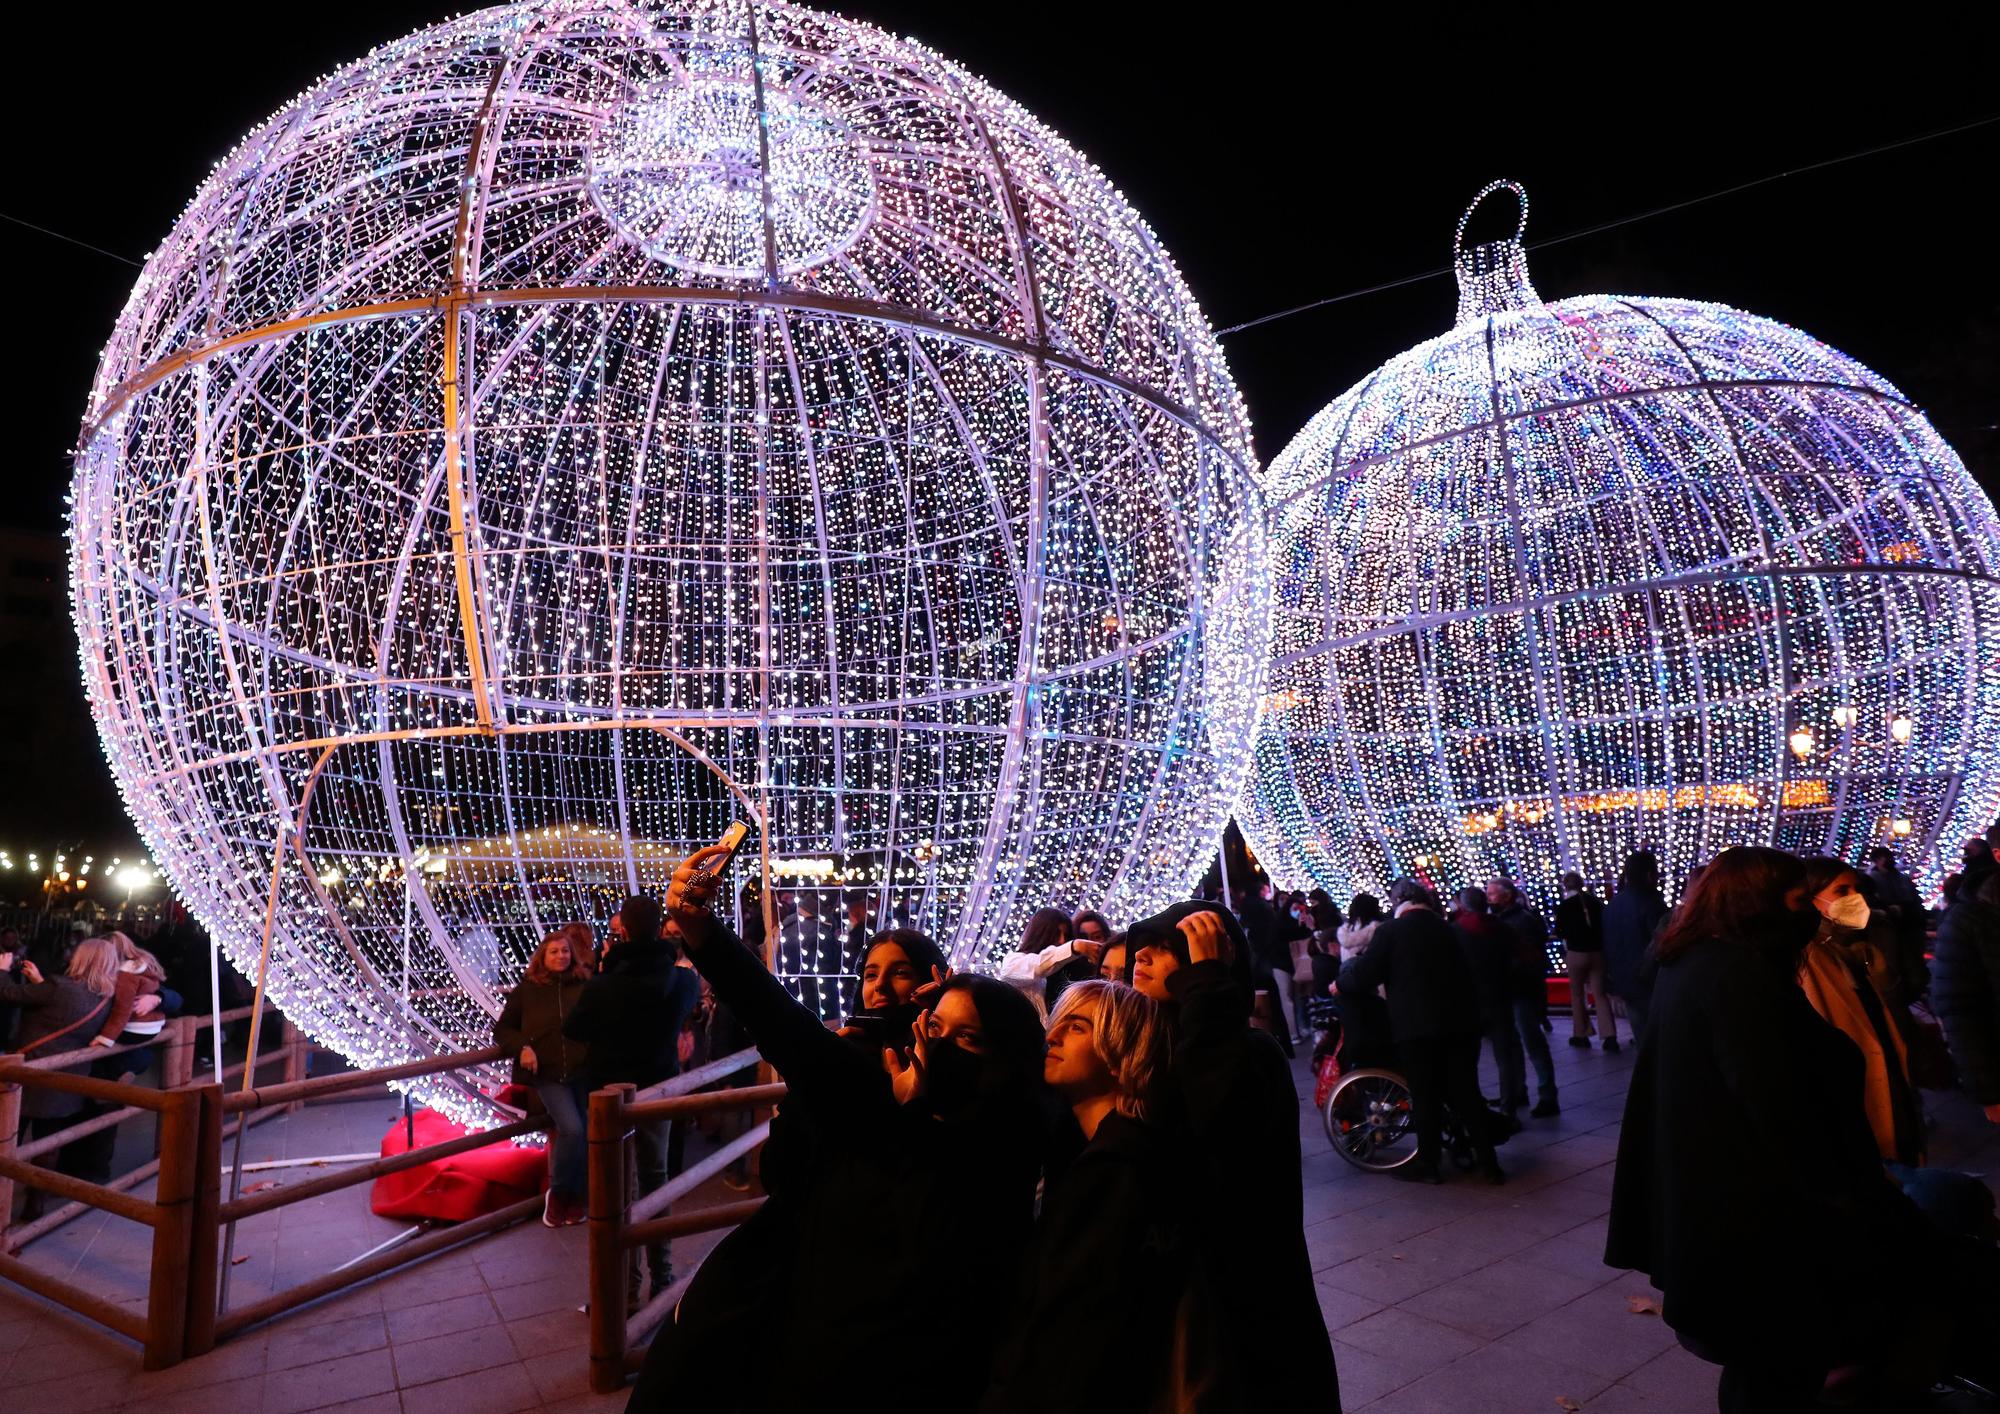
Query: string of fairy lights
[
  {"x": 575, "y": 425},
  {"x": 1582, "y": 577}
]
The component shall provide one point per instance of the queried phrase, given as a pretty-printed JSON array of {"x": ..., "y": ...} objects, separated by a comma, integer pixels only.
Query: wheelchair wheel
[{"x": 1369, "y": 1120}]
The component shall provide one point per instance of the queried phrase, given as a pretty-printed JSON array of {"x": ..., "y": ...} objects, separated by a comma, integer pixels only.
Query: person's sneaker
[
  {"x": 1611, "y": 1045},
  {"x": 1582, "y": 1043},
  {"x": 1418, "y": 1171},
  {"x": 552, "y": 1209},
  {"x": 1546, "y": 1108},
  {"x": 1493, "y": 1173},
  {"x": 574, "y": 1213}
]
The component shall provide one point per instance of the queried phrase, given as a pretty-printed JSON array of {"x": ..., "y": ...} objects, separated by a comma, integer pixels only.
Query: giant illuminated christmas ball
[
  {"x": 578, "y": 424},
  {"x": 1580, "y": 577}
]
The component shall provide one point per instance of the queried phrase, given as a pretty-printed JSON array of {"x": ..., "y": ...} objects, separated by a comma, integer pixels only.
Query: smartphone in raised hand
[{"x": 732, "y": 840}]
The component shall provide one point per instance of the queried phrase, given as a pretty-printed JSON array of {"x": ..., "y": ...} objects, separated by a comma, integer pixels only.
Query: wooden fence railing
[
  {"x": 620, "y": 1225},
  {"x": 193, "y": 1220}
]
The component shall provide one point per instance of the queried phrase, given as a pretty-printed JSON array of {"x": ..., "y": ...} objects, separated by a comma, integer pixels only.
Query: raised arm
[{"x": 819, "y": 1067}]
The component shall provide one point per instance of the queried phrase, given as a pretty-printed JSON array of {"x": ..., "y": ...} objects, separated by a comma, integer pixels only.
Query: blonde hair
[
  {"x": 129, "y": 951},
  {"x": 1129, "y": 1037},
  {"x": 95, "y": 964}
]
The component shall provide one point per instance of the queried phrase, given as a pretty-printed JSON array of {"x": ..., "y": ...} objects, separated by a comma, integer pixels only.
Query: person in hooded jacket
[
  {"x": 630, "y": 1015},
  {"x": 1230, "y": 1103},
  {"x": 530, "y": 1030},
  {"x": 1748, "y": 1185},
  {"x": 1109, "y": 1237},
  {"x": 913, "y": 1208},
  {"x": 1965, "y": 989}
]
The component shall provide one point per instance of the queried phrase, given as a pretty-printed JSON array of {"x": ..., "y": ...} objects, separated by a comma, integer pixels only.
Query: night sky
[{"x": 1283, "y": 154}]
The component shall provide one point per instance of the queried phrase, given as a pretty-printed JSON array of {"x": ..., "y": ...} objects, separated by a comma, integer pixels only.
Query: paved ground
[{"x": 1461, "y": 1297}]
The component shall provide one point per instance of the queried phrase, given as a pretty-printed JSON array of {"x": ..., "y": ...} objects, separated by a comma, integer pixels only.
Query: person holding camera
[{"x": 911, "y": 1211}]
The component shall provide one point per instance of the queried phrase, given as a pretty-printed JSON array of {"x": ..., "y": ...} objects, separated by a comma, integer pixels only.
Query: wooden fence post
[
  {"x": 205, "y": 1227},
  {"x": 173, "y": 1196},
  {"x": 10, "y": 1124},
  {"x": 608, "y": 1197},
  {"x": 177, "y": 1064}
]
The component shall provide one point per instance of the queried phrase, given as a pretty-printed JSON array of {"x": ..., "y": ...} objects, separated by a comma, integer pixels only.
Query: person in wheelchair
[{"x": 1434, "y": 1018}]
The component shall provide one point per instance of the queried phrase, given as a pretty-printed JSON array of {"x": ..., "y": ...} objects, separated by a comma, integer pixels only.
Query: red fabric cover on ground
[{"x": 459, "y": 1186}]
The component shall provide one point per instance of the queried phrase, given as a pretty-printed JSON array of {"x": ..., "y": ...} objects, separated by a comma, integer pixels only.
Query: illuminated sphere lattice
[
  {"x": 1585, "y": 576},
  {"x": 574, "y": 425}
]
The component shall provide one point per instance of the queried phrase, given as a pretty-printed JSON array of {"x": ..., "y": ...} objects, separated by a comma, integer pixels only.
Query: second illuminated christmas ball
[{"x": 1581, "y": 577}]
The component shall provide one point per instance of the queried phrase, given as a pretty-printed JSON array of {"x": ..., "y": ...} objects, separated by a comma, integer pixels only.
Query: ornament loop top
[{"x": 1493, "y": 276}]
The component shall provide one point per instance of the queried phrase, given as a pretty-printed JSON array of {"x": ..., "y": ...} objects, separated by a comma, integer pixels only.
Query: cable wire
[{"x": 1622, "y": 220}]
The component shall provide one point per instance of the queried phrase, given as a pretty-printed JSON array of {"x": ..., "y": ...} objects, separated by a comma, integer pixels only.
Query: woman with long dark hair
[
  {"x": 1051, "y": 956},
  {"x": 1748, "y": 1185},
  {"x": 912, "y": 1210}
]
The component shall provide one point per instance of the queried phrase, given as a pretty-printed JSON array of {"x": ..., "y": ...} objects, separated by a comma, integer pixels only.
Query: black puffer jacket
[
  {"x": 631, "y": 1014},
  {"x": 534, "y": 1017},
  {"x": 1965, "y": 992},
  {"x": 906, "y": 1231},
  {"x": 1231, "y": 1103}
]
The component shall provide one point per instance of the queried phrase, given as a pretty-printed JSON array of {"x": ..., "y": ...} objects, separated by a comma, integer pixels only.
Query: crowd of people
[
  {"x": 1022, "y": 1191},
  {"x": 61, "y": 992},
  {"x": 987, "y": 1178}
]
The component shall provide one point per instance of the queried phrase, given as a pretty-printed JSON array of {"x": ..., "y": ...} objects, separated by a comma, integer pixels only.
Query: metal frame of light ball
[{"x": 351, "y": 321}]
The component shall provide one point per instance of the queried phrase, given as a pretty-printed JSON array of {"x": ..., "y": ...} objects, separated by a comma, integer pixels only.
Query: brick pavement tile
[
  {"x": 1581, "y": 1198},
  {"x": 82, "y": 1389},
  {"x": 559, "y": 1374},
  {"x": 565, "y": 1292},
  {"x": 1583, "y": 1260},
  {"x": 1677, "y": 1379},
  {"x": 239, "y": 1394},
  {"x": 421, "y": 1285},
  {"x": 66, "y": 1345},
  {"x": 592, "y": 1403},
  {"x": 1623, "y": 1399},
  {"x": 500, "y": 1389},
  {"x": 1597, "y": 1332},
  {"x": 567, "y": 1329},
  {"x": 235, "y": 1359},
  {"x": 440, "y": 1357},
  {"x": 1341, "y": 1308},
  {"x": 1398, "y": 1272},
  {"x": 458, "y": 1313},
  {"x": 388, "y": 1402},
  {"x": 1587, "y": 1150},
  {"x": 306, "y": 1341},
  {"x": 1497, "y": 1380},
  {"x": 1332, "y": 1199},
  {"x": 1418, "y": 1343},
  {"x": 1340, "y": 1239},
  {"x": 1366, "y": 1376},
  {"x": 328, "y": 1382},
  {"x": 1496, "y": 1299}
]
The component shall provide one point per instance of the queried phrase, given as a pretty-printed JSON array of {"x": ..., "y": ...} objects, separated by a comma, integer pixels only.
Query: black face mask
[
  {"x": 1791, "y": 929},
  {"x": 953, "y": 1076}
]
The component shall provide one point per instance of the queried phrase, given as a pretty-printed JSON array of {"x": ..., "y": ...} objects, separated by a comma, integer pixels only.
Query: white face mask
[{"x": 1848, "y": 912}]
